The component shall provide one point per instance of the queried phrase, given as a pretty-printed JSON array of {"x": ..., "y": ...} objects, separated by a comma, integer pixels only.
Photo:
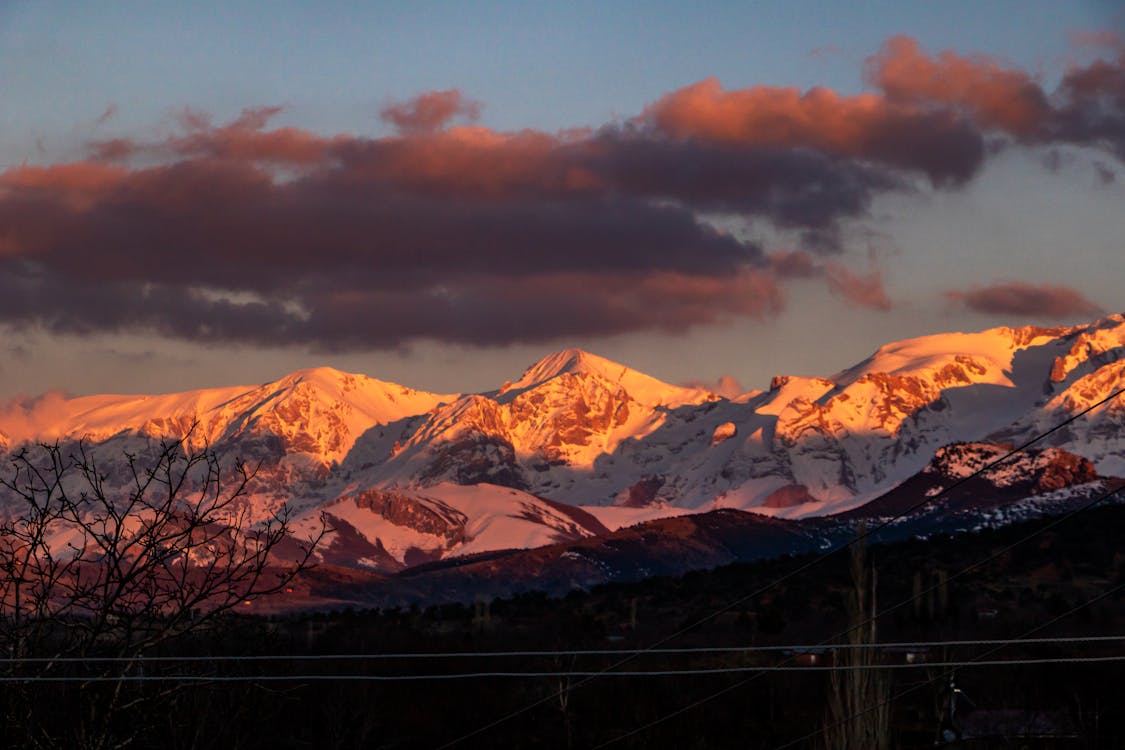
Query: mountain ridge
[{"x": 417, "y": 476}]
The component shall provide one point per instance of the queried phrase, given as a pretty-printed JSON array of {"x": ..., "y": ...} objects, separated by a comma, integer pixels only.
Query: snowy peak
[
  {"x": 573, "y": 361},
  {"x": 642, "y": 388},
  {"x": 976, "y": 357},
  {"x": 322, "y": 411},
  {"x": 996, "y": 356},
  {"x": 409, "y": 476},
  {"x": 318, "y": 411},
  {"x": 1091, "y": 347}
]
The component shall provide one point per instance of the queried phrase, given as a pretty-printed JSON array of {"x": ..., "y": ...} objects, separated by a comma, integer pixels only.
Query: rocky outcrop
[
  {"x": 788, "y": 496},
  {"x": 723, "y": 432},
  {"x": 426, "y": 517}
]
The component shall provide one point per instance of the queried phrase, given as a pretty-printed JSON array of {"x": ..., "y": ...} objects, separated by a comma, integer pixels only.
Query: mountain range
[{"x": 578, "y": 447}]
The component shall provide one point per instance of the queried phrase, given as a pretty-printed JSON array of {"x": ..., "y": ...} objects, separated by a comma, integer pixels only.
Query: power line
[
  {"x": 886, "y": 611},
  {"x": 694, "y": 672},
  {"x": 931, "y": 681},
  {"x": 804, "y": 647},
  {"x": 795, "y": 572}
]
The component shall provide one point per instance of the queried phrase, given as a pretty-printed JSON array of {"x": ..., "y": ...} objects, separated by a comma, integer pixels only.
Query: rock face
[
  {"x": 643, "y": 493},
  {"x": 410, "y": 512},
  {"x": 413, "y": 474},
  {"x": 725, "y": 431},
  {"x": 788, "y": 496},
  {"x": 952, "y": 480}
]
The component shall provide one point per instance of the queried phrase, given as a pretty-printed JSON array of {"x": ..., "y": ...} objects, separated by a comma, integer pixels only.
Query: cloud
[
  {"x": 793, "y": 188},
  {"x": 26, "y": 418},
  {"x": 483, "y": 311},
  {"x": 1097, "y": 38},
  {"x": 1087, "y": 108},
  {"x": 113, "y": 149},
  {"x": 1091, "y": 111},
  {"x": 247, "y": 231},
  {"x": 430, "y": 112},
  {"x": 1021, "y": 298},
  {"x": 994, "y": 95},
  {"x": 937, "y": 143},
  {"x": 726, "y": 386},
  {"x": 865, "y": 290},
  {"x": 794, "y": 265},
  {"x": 238, "y": 232}
]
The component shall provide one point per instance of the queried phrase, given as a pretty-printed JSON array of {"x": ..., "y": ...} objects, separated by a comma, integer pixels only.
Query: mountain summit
[
  {"x": 641, "y": 388},
  {"x": 580, "y": 442},
  {"x": 318, "y": 412}
]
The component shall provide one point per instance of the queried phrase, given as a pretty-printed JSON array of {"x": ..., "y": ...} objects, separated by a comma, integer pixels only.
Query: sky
[{"x": 440, "y": 193}]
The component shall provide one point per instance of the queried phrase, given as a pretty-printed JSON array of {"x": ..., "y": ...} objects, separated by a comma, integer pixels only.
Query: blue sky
[
  {"x": 72, "y": 73},
  {"x": 538, "y": 65}
]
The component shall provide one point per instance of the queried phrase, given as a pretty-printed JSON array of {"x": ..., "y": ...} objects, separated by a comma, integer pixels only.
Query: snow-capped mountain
[
  {"x": 946, "y": 497},
  {"x": 318, "y": 413},
  {"x": 578, "y": 443}
]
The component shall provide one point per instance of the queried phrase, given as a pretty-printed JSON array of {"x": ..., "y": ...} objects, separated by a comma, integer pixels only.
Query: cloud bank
[
  {"x": 246, "y": 232},
  {"x": 1021, "y": 298}
]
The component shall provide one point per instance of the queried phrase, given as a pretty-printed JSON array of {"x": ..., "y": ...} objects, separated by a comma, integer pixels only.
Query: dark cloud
[
  {"x": 793, "y": 188},
  {"x": 243, "y": 231},
  {"x": 863, "y": 289},
  {"x": 1091, "y": 108},
  {"x": 229, "y": 225},
  {"x": 484, "y": 310},
  {"x": 938, "y": 143},
  {"x": 1021, "y": 298},
  {"x": 430, "y": 111}
]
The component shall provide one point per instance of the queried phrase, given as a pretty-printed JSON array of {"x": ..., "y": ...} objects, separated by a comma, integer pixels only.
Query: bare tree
[
  {"x": 109, "y": 563},
  {"x": 858, "y": 698}
]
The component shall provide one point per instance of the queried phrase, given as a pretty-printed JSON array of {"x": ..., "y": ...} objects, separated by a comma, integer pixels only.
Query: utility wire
[
  {"x": 695, "y": 672},
  {"x": 795, "y": 572},
  {"x": 978, "y": 660},
  {"x": 579, "y": 652},
  {"x": 1101, "y": 498}
]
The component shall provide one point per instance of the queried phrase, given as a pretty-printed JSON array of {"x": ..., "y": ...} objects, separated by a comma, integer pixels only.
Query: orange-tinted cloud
[
  {"x": 1021, "y": 298},
  {"x": 170, "y": 248},
  {"x": 1097, "y": 38},
  {"x": 76, "y": 177},
  {"x": 935, "y": 142},
  {"x": 996, "y": 96},
  {"x": 430, "y": 112},
  {"x": 863, "y": 289},
  {"x": 1087, "y": 109},
  {"x": 793, "y": 187},
  {"x": 246, "y": 139},
  {"x": 246, "y": 231},
  {"x": 21, "y": 415},
  {"x": 794, "y": 264}
]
